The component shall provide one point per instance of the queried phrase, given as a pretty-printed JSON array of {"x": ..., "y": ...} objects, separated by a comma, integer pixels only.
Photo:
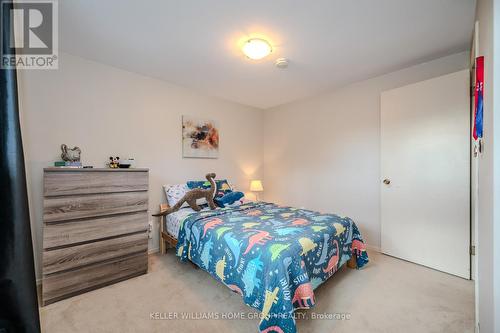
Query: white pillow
[{"x": 175, "y": 193}]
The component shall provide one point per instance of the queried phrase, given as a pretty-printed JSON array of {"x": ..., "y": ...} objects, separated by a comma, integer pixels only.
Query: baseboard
[{"x": 155, "y": 250}]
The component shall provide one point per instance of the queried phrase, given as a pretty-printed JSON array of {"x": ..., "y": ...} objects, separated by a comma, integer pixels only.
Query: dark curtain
[{"x": 18, "y": 298}]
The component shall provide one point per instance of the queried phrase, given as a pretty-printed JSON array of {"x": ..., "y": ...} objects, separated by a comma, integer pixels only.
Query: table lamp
[{"x": 256, "y": 186}]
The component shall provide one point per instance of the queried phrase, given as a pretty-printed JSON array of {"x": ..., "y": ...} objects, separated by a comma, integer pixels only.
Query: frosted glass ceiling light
[{"x": 257, "y": 48}]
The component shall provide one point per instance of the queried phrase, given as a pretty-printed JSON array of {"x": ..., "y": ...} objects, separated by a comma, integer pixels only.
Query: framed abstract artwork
[{"x": 200, "y": 138}]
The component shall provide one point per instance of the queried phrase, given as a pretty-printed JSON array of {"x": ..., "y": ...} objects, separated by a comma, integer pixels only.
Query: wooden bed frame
[{"x": 167, "y": 240}]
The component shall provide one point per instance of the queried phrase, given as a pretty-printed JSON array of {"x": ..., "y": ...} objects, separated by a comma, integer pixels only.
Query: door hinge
[{"x": 472, "y": 250}]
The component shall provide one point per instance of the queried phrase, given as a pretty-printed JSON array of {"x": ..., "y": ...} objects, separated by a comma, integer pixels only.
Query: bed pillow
[
  {"x": 175, "y": 193},
  {"x": 222, "y": 186},
  {"x": 228, "y": 199}
]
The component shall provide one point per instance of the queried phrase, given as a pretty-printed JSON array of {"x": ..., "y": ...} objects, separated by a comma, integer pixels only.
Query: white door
[{"x": 425, "y": 193}]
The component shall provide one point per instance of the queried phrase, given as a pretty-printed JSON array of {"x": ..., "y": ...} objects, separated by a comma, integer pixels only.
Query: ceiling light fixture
[{"x": 257, "y": 48}]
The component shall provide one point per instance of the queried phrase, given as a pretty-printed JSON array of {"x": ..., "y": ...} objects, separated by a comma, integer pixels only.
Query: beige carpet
[{"x": 389, "y": 295}]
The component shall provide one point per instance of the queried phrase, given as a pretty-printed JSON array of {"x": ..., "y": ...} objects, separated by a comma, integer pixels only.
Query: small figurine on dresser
[
  {"x": 114, "y": 162},
  {"x": 70, "y": 157}
]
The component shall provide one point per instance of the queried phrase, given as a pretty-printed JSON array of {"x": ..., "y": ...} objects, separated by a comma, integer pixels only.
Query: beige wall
[
  {"x": 324, "y": 153},
  {"x": 106, "y": 111},
  {"x": 321, "y": 153}
]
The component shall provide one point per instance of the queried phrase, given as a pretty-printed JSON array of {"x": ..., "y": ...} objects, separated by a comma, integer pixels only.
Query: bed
[{"x": 273, "y": 256}]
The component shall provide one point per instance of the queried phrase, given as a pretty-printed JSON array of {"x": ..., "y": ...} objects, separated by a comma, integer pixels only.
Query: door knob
[{"x": 387, "y": 181}]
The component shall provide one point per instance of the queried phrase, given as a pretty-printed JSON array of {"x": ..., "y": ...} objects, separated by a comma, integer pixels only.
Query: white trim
[{"x": 155, "y": 250}]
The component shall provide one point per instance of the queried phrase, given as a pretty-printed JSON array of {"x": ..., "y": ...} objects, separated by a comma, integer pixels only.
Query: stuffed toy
[
  {"x": 193, "y": 195},
  {"x": 114, "y": 162},
  {"x": 228, "y": 199}
]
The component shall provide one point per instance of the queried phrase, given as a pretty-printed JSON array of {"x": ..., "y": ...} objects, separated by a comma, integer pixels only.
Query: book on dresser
[{"x": 95, "y": 229}]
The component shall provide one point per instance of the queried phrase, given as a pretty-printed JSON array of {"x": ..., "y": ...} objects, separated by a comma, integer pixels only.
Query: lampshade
[{"x": 256, "y": 186}]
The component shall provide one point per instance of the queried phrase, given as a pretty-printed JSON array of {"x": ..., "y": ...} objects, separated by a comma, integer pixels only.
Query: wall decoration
[
  {"x": 200, "y": 138},
  {"x": 477, "y": 131}
]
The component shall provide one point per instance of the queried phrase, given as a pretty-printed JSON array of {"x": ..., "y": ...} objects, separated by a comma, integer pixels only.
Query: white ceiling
[{"x": 329, "y": 42}]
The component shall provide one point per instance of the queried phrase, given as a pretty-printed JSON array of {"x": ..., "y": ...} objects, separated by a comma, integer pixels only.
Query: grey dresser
[{"x": 95, "y": 229}]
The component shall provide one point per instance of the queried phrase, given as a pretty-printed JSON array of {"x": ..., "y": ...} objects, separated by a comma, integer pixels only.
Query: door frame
[{"x": 474, "y": 178}]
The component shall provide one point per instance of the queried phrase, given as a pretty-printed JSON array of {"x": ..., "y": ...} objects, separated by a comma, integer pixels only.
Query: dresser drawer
[
  {"x": 85, "y": 254},
  {"x": 57, "y": 183},
  {"x": 74, "y": 232},
  {"x": 75, "y": 207},
  {"x": 70, "y": 283}
]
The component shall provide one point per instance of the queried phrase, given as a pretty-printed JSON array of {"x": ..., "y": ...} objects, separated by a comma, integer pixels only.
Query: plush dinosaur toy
[{"x": 193, "y": 195}]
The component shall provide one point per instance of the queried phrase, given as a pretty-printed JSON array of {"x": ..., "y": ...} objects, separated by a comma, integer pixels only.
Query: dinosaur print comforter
[{"x": 273, "y": 256}]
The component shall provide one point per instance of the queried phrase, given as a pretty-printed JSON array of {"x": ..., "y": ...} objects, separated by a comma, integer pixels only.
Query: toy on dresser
[{"x": 114, "y": 162}]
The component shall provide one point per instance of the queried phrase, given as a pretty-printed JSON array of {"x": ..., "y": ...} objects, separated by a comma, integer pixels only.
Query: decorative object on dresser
[
  {"x": 114, "y": 162},
  {"x": 70, "y": 155},
  {"x": 95, "y": 229},
  {"x": 70, "y": 158},
  {"x": 126, "y": 163}
]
